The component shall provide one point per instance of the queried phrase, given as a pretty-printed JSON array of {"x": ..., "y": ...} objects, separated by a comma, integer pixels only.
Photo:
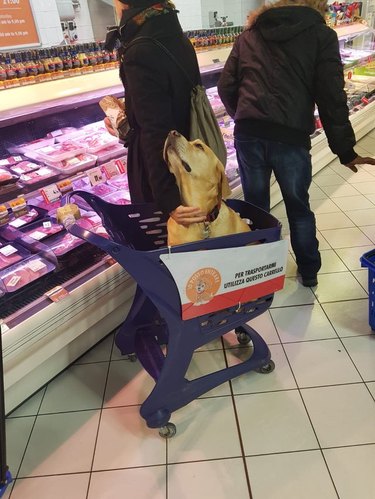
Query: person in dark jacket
[
  {"x": 285, "y": 62},
  {"x": 157, "y": 100}
]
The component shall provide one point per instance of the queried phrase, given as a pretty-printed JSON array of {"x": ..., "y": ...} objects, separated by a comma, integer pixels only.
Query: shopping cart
[
  {"x": 138, "y": 239},
  {"x": 368, "y": 260},
  {"x": 5, "y": 476}
]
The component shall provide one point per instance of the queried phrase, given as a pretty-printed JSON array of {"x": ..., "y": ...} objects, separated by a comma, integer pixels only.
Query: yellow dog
[{"x": 202, "y": 183}]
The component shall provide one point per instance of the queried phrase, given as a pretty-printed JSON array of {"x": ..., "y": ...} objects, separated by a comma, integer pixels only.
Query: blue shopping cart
[{"x": 137, "y": 241}]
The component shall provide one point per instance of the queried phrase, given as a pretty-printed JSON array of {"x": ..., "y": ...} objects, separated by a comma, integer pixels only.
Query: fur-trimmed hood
[{"x": 285, "y": 19}]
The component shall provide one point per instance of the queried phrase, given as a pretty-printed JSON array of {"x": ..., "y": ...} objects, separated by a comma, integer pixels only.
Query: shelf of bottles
[{"x": 37, "y": 66}]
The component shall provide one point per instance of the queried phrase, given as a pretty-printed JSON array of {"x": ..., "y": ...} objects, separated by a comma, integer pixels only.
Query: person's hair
[{"x": 318, "y": 5}]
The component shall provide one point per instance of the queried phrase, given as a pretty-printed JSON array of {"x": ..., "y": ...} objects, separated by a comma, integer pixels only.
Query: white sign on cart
[{"x": 213, "y": 280}]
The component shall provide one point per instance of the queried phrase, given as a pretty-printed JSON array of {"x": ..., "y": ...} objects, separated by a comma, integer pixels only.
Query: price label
[
  {"x": 110, "y": 170},
  {"x": 56, "y": 133},
  {"x": 121, "y": 165},
  {"x": 37, "y": 235},
  {"x": 17, "y": 159},
  {"x": 18, "y": 222},
  {"x": 8, "y": 250},
  {"x": 47, "y": 225},
  {"x": 36, "y": 265},
  {"x": 14, "y": 281},
  {"x": 95, "y": 176},
  {"x": 57, "y": 294},
  {"x": 51, "y": 193}
]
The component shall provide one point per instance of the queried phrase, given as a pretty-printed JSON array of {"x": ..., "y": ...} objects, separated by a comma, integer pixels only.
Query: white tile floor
[{"x": 307, "y": 430}]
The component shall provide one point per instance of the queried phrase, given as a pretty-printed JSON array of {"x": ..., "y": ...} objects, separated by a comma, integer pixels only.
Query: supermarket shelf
[
  {"x": 351, "y": 29},
  {"x": 58, "y": 95},
  {"x": 43, "y": 345}
]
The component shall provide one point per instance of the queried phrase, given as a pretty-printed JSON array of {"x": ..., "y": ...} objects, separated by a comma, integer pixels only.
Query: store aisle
[{"x": 305, "y": 430}]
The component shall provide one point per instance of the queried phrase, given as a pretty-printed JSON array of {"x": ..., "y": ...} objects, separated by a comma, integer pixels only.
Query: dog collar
[{"x": 212, "y": 216}]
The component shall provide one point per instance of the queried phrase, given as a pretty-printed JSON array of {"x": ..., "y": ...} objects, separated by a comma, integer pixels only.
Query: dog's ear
[{"x": 225, "y": 189}]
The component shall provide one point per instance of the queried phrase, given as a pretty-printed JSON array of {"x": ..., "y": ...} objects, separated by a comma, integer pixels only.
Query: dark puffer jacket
[
  {"x": 157, "y": 100},
  {"x": 287, "y": 61}
]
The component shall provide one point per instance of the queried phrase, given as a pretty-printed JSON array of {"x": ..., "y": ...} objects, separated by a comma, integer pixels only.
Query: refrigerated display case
[{"x": 75, "y": 304}]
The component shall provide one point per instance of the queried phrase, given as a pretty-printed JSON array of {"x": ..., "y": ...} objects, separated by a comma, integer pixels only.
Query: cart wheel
[
  {"x": 168, "y": 431},
  {"x": 243, "y": 338},
  {"x": 132, "y": 357},
  {"x": 268, "y": 368}
]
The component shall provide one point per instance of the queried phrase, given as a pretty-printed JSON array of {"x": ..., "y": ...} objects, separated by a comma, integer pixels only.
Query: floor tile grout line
[
  {"x": 247, "y": 476},
  {"x": 99, "y": 422},
  {"x": 307, "y": 413},
  {"x": 193, "y": 461}
]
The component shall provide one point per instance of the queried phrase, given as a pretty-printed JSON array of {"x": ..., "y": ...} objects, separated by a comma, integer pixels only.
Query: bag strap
[{"x": 164, "y": 49}]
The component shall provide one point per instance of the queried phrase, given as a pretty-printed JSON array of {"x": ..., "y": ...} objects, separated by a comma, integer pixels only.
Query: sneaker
[{"x": 310, "y": 281}]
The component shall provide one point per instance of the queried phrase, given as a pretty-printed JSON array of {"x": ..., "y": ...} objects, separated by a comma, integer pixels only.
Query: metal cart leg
[
  {"x": 135, "y": 323},
  {"x": 5, "y": 476}
]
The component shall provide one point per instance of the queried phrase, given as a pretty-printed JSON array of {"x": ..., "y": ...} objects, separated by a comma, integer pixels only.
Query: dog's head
[{"x": 195, "y": 166}]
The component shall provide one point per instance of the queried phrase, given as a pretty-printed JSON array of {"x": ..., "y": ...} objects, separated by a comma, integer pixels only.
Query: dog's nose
[{"x": 175, "y": 133}]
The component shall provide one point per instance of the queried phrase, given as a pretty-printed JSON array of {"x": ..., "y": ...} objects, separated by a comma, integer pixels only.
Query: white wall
[
  {"x": 84, "y": 25},
  {"x": 190, "y": 13},
  {"x": 47, "y": 21}
]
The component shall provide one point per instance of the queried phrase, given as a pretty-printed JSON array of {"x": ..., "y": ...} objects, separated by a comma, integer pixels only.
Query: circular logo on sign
[{"x": 203, "y": 285}]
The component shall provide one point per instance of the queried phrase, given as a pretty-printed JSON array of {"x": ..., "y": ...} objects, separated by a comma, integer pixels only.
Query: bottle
[
  {"x": 3, "y": 73},
  {"x": 75, "y": 59},
  {"x": 82, "y": 56},
  {"x": 30, "y": 65},
  {"x": 38, "y": 62},
  {"x": 49, "y": 65},
  {"x": 55, "y": 53},
  {"x": 98, "y": 53},
  {"x": 91, "y": 55},
  {"x": 10, "y": 70},
  {"x": 67, "y": 60},
  {"x": 17, "y": 65}
]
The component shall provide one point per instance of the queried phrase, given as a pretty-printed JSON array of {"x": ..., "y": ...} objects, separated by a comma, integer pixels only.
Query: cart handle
[{"x": 101, "y": 242}]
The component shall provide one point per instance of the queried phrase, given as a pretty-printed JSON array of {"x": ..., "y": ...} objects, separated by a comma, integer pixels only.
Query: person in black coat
[
  {"x": 284, "y": 63},
  {"x": 157, "y": 100}
]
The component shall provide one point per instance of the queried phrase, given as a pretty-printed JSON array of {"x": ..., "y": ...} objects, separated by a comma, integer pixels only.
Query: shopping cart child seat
[{"x": 138, "y": 238}]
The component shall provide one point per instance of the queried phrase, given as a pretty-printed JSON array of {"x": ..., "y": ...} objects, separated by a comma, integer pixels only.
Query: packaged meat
[
  {"x": 59, "y": 152},
  {"x": 63, "y": 244},
  {"x": 66, "y": 133},
  {"x": 75, "y": 164},
  {"x": 32, "y": 215},
  {"x": 31, "y": 146},
  {"x": 119, "y": 182},
  {"x": 37, "y": 176},
  {"x": 114, "y": 167},
  {"x": 98, "y": 126},
  {"x": 19, "y": 275},
  {"x": 42, "y": 229},
  {"x": 7, "y": 178},
  {"x": 100, "y": 190},
  {"x": 115, "y": 151},
  {"x": 11, "y": 254},
  {"x": 118, "y": 197},
  {"x": 10, "y": 161},
  {"x": 97, "y": 141},
  {"x": 24, "y": 167},
  {"x": 114, "y": 109},
  {"x": 40, "y": 202}
]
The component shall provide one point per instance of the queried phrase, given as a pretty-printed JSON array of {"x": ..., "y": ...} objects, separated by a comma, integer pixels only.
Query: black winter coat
[
  {"x": 287, "y": 61},
  {"x": 157, "y": 100}
]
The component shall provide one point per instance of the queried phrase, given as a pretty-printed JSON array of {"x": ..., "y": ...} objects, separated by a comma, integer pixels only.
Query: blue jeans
[{"x": 257, "y": 158}]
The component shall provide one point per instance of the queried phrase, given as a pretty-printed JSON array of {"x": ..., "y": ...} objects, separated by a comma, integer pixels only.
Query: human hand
[
  {"x": 186, "y": 215},
  {"x": 109, "y": 127},
  {"x": 359, "y": 160}
]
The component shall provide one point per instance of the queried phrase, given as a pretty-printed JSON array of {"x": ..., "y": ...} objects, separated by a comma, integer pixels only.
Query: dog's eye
[{"x": 199, "y": 146}]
